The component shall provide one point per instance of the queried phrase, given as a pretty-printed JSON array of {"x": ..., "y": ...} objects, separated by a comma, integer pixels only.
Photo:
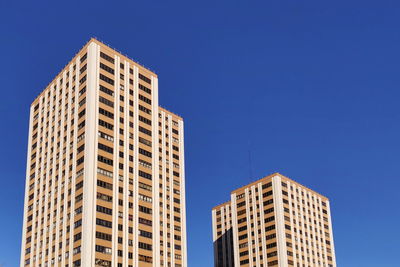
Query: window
[
  {"x": 267, "y": 202},
  {"x": 79, "y": 185},
  {"x": 79, "y": 161},
  {"x": 106, "y": 79},
  {"x": 104, "y": 197},
  {"x": 144, "y": 141},
  {"x": 264, "y": 186},
  {"x": 104, "y": 223},
  {"x": 103, "y": 210},
  {"x": 143, "y": 119},
  {"x": 269, "y": 193},
  {"x": 104, "y": 184},
  {"x": 144, "y": 78},
  {"x": 241, "y": 204},
  {"x": 144, "y": 130},
  {"x": 103, "y": 249},
  {"x": 144, "y": 88},
  {"x": 144, "y": 109},
  {"x": 143, "y": 258},
  {"x": 103, "y": 236},
  {"x": 145, "y": 209},
  {"x": 107, "y": 68},
  {"x": 106, "y": 90},
  {"x": 145, "y": 99},
  {"x": 78, "y": 223},
  {"x": 104, "y": 172},
  {"x": 145, "y": 234},
  {"x": 105, "y": 148},
  {"x": 145, "y": 186},
  {"x": 145, "y": 152},
  {"x": 241, "y": 237},
  {"x": 268, "y": 210},
  {"x": 269, "y": 219},
  {"x": 107, "y": 57},
  {"x": 145, "y": 221},
  {"x": 106, "y": 136},
  {"x": 106, "y": 101},
  {"x": 106, "y": 125},
  {"x": 105, "y": 160},
  {"x": 269, "y": 228},
  {"x": 106, "y": 113},
  {"x": 145, "y": 198},
  {"x": 83, "y": 58}
]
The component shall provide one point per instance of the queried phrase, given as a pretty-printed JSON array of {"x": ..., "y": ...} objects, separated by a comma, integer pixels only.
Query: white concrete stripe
[
  {"x": 183, "y": 192},
  {"x": 90, "y": 162},
  {"x": 235, "y": 230},
  {"x": 328, "y": 208},
  {"x": 230, "y": 236},
  {"x": 126, "y": 164},
  {"x": 61, "y": 180},
  {"x": 27, "y": 184},
  {"x": 279, "y": 219},
  {"x": 74, "y": 151},
  {"x": 136, "y": 168},
  {"x": 155, "y": 172},
  {"x": 248, "y": 224},
  {"x": 214, "y": 231},
  {"x": 164, "y": 190},
  {"x": 256, "y": 226},
  {"x": 114, "y": 261},
  {"x": 262, "y": 218},
  {"x": 171, "y": 192},
  {"x": 49, "y": 194},
  {"x": 40, "y": 175}
]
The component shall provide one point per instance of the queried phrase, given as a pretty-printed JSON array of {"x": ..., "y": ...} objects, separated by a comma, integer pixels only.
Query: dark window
[
  {"x": 144, "y": 88},
  {"x": 145, "y": 152},
  {"x": 145, "y": 175},
  {"x": 83, "y": 58},
  {"x": 103, "y": 210},
  {"x": 106, "y": 79},
  {"x": 103, "y": 223},
  {"x": 106, "y": 90},
  {"x": 106, "y": 125},
  {"x": 144, "y": 109},
  {"x": 144, "y": 130},
  {"x": 107, "y": 68},
  {"x": 144, "y": 78},
  {"x": 104, "y": 184},
  {"x": 106, "y": 113},
  {"x": 105, "y": 160},
  {"x": 145, "y": 99},
  {"x": 107, "y": 57},
  {"x": 143, "y": 119},
  {"x": 106, "y": 101}
]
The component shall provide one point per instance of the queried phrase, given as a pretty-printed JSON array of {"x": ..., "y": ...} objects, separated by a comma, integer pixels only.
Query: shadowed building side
[{"x": 222, "y": 236}]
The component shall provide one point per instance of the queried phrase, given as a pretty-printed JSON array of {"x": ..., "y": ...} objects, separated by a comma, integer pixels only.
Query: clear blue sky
[{"x": 309, "y": 89}]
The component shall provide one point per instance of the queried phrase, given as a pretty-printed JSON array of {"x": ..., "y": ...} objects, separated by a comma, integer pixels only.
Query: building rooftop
[
  {"x": 97, "y": 41},
  {"x": 268, "y": 177}
]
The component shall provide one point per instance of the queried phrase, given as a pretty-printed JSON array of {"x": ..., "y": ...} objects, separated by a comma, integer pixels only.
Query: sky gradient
[{"x": 310, "y": 90}]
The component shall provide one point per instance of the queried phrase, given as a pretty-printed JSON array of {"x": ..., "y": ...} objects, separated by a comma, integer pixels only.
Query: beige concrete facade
[
  {"x": 274, "y": 221},
  {"x": 105, "y": 182}
]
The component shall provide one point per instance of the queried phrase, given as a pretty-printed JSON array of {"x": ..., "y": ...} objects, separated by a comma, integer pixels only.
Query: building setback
[
  {"x": 105, "y": 180},
  {"x": 274, "y": 221}
]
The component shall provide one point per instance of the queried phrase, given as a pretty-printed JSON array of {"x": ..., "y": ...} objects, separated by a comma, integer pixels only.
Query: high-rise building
[
  {"x": 105, "y": 180},
  {"x": 274, "y": 221}
]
